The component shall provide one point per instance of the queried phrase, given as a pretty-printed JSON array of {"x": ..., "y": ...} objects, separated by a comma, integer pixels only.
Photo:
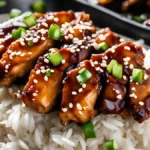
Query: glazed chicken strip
[
  {"x": 7, "y": 27},
  {"x": 41, "y": 90},
  {"x": 139, "y": 94},
  {"x": 20, "y": 58},
  {"x": 76, "y": 52},
  {"x": 113, "y": 99},
  {"x": 78, "y": 100}
]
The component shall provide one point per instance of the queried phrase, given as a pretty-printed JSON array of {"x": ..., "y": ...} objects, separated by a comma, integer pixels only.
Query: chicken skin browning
[
  {"x": 20, "y": 58},
  {"x": 130, "y": 56},
  {"x": 78, "y": 101},
  {"x": 72, "y": 54}
]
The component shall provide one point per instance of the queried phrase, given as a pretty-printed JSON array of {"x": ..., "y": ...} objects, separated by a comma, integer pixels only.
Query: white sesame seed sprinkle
[
  {"x": 34, "y": 94},
  {"x": 70, "y": 105},
  {"x": 38, "y": 71},
  {"x": 131, "y": 66},
  {"x": 79, "y": 107},
  {"x": 127, "y": 48},
  {"x": 43, "y": 38},
  {"x": 45, "y": 78},
  {"x": 145, "y": 76},
  {"x": 141, "y": 103},
  {"x": 46, "y": 60},
  {"x": 84, "y": 85},
  {"x": 35, "y": 81},
  {"x": 119, "y": 96},
  {"x": 35, "y": 40},
  {"x": 56, "y": 19},
  {"x": 80, "y": 90},
  {"x": 124, "y": 77},
  {"x": 74, "y": 93},
  {"x": 63, "y": 61},
  {"x": 64, "y": 109}
]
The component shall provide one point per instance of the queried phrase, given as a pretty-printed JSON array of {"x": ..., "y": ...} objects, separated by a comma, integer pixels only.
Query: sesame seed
[
  {"x": 30, "y": 53},
  {"x": 74, "y": 93},
  {"x": 117, "y": 91},
  {"x": 78, "y": 50},
  {"x": 70, "y": 105},
  {"x": 63, "y": 61},
  {"x": 64, "y": 109},
  {"x": 1, "y": 46},
  {"x": 79, "y": 107},
  {"x": 127, "y": 47},
  {"x": 43, "y": 71},
  {"x": 18, "y": 53},
  {"x": 84, "y": 85},
  {"x": 56, "y": 19},
  {"x": 50, "y": 17},
  {"x": 46, "y": 60},
  {"x": 95, "y": 62},
  {"x": 52, "y": 70},
  {"x": 22, "y": 43},
  {"x": 127, "y": 59},
  {"x": 35, "y": 40},
  {"x": 119, "y": 96},
  {"x": 23, "y": 54},
  {"x": 35, "y": 81},
  {"x": 45, "y": 78},
  {"x": 133, "y": 88},
  {"x": 23, "y": 105},
  {"x": 35, "y": 94},
  {"x": 141, "y": 103},
  {"x": 43, "y": 38},
  {"x": 126, "y": 63},
  {"x": 103, "y": 65},
  {"x": 18, "y": 95},
  {"x": 7, "y": 66},
  {"x": 38, "y": 71},
  {"x": 145, "y": 76},
  {"x": 133, "y": 95},
  {"x": 45, "y": 24},
  {"x": 80, "y": 90},
  {"x": 124, "y": 77},
  {"x": 131, "y": 66}
]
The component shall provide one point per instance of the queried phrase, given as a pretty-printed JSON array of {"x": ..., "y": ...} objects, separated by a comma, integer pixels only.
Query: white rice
[{"x": 22, "y": 128}]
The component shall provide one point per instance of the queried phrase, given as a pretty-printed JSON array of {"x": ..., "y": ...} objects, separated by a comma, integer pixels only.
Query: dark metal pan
[{"x": 101, "y": 16}]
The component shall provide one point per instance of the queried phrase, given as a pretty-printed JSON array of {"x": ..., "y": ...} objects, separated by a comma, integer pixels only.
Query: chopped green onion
[
  {"x": 30, "y": 43},
  {"x": 54, "y": 32},
  {"x": 110, "y": 145},
  {"x": 2, "y": 3},
  {"x": 38, "y": 6},
  {"x": 88, "y": 129},
  {"x": 30, "y": 20},
  {"x": 18, "y": 33},
  {"x": 137, "y": 75},
  {"x": 55, "y": 59},
  {"x": 117, "y": 71},
  {"x": 84, "y": 75},
  {"x": 14, "y": 13},
  {"x": 48, "y": 73},
  {"x": 102, "y": 46},
  {"x": 138, "y": 19},
  {"x": 111, "y": 65}
]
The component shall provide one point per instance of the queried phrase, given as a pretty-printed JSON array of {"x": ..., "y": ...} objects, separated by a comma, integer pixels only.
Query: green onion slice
[
  {"x": 111, "y": 65},
  {"x": 84, "y": 75},
  {"x": 117, "y": 71},
  {"x": 88, "y": 129},
  {"x": 14, "y": 13},
  {"x": 137, "y": 75},
  {"x": 54, "y": 32},
  {"x": 18, "y": 33},
  {"x": 102, "y": 46},
  {"x": 110, "y": 145},
  {"x": 138, "y": 19},
  {"x": 55, "y": 58},
  {"x": 30, "y": 43},
  {"x": 3, "y": 3},
  {"x": 48, "y": 73},
  {"x": 30, "y": 20},
  {"x": 38, "y": 6}
]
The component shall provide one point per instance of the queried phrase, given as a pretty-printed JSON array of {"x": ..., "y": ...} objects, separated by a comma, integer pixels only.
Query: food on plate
[{"x": 91, "y": 76}]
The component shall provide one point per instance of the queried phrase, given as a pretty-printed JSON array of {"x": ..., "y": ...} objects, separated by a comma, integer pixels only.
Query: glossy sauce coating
[
  {"x": 20, "y": 58},
  {"x": 78, "y": 101}
]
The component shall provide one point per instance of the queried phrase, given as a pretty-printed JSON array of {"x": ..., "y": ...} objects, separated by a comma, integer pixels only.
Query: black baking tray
[{"x": 102, "y": 17}]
